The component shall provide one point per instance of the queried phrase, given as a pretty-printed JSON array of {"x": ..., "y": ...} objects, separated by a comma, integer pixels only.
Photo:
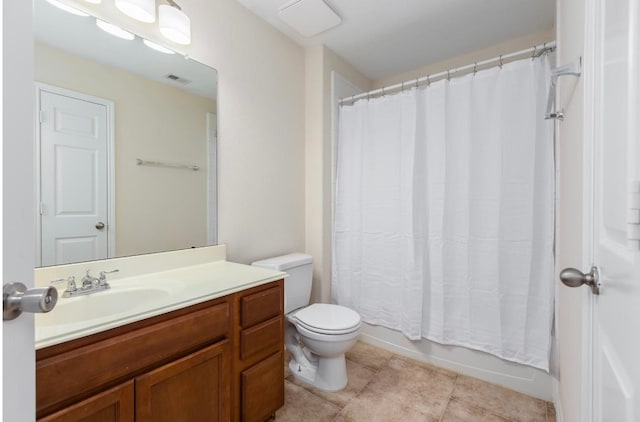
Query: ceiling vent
[
  {"x": 309, "y": 17},
  {"x": 178, "y": 79}
]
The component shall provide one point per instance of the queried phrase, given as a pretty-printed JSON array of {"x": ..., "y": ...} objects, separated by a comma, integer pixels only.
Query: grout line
[
  {"x": 455, "y": 381},
  {"x": 547, "y": 412}
]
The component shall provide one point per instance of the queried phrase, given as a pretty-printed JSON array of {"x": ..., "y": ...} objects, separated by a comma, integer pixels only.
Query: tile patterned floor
[{"x": 387, "y": 387}]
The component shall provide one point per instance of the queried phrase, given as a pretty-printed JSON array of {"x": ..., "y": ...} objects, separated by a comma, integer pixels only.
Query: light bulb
[
  {"x": 67, "y": 8},
  {"x": 174, "y": 24},
  {"x": 157, "y": 47},
  {"x": 114, "y": 30},
  {"x": 142, "y": 10}
]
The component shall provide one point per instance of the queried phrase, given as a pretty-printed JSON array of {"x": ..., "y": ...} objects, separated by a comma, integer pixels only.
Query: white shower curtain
[{"x": 444, "y": 223}]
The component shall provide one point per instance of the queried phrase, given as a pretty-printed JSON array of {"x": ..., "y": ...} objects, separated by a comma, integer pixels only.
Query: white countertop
[{"x": 159, "y": 292}]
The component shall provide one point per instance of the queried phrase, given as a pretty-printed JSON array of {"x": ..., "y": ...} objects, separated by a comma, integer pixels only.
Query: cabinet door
[
  {"x": 195, "y": 388},
  {"x": 263, "y": 389},
  {"x": 114, "y": 405}
]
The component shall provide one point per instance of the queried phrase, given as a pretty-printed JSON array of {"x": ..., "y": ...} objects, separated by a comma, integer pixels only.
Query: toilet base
[{"x": 329, "y": 374}]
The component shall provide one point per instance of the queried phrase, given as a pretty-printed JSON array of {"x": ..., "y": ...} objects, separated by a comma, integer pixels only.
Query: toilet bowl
[{"x": 318, "y": 335}]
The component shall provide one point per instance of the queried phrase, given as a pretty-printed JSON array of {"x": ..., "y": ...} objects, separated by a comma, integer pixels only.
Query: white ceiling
[{"x": 385, "y": 37}]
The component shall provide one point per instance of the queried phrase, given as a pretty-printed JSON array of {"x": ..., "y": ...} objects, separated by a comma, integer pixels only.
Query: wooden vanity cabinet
[
  {"x": 258, "y": 381},
  {"x": 219, "y": 360}
]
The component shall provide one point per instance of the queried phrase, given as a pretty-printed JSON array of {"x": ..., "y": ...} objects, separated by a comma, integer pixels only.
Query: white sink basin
[{"x": 103, "y": 304}]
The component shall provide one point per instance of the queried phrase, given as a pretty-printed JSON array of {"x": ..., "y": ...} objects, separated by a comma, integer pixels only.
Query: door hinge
[
  {"x": 42, "y": 116},
  {"x": 633, "y": 216},
  {"x": 41, "y": 208}
]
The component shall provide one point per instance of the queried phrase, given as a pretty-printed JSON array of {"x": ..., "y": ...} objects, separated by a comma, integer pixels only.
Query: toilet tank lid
[{"x": 284, "y": 262}]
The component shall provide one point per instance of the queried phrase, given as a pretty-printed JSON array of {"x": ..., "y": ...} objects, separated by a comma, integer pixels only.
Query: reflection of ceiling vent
[{"x": 176, "y": 78}]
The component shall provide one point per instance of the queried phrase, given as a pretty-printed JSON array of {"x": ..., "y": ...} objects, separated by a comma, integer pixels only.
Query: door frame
[{"x": 111, "y": 179}]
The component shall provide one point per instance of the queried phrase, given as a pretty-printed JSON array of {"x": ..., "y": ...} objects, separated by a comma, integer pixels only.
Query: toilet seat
[{"x": 328, "y": 319}]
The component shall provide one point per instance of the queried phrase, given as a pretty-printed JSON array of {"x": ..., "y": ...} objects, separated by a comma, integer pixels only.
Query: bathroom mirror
[{"x": 125, "y": 141}]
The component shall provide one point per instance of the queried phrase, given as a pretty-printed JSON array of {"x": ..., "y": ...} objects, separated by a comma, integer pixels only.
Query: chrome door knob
[
  {"x": 572, "y": 277},
  {"x": 17, "y": 299},
  {"x": 99, "y": 225}
]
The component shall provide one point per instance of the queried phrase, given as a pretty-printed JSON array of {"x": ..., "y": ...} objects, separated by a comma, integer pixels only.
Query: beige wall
[
  {"x": 153, "y": 121},
  {"x": 260, "y": 123},
  {"x": 320, "y": 63},
  {"x": 570, "y": 19}
]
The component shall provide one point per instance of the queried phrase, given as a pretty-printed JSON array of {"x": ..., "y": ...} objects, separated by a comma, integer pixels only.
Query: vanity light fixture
[
  {"x": 157, "y": 47},
  {"x": 114, "y": 30},
  {"x": 142, "y": 10},
  {"x": 174, "y": 23},
  {"x": 67, "y": 8}
]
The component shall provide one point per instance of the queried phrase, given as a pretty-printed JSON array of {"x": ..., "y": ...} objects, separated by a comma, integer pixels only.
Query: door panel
[
  {"x": 73, "y": 179},
  {"x": 195, "y": 388},
  {"x": 18, "y": 194},
  {"x": 616, "y": 311},
  {"x": 113, "y": 405}
]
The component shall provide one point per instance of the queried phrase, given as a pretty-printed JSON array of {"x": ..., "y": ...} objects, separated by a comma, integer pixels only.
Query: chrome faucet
[{"x": 89, "y": 284}]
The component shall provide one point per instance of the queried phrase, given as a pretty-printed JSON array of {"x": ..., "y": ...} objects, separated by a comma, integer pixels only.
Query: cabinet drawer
[
  {"x": 66, "y": 377},
  {"x": 261, "y": 306},
  {"x": 265, "y": 337},
  {"x": 263, "y": 389}
]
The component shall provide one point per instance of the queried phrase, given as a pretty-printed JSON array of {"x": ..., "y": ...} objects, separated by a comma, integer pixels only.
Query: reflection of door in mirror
[{"x": 76, "y": 198}]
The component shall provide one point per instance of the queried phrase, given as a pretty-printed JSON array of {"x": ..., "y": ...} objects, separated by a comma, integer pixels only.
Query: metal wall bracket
[{"x": 572, "y": 69}]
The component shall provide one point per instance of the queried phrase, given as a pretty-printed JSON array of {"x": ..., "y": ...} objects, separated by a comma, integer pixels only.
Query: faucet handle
[
  {"x": 103, "y": 275},
  {"x": 71, "y": 283}
]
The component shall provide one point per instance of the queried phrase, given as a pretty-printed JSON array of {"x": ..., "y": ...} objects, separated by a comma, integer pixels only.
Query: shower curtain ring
[
  {"x": 475, "y": 68},
  {"x": 501, "y": 63},
  {"x": 428, "y": 80},
  {"x": 417, "y": 82},
  {"x": 448, "y": 75},
  {"x": 383, "y": 93},
  {"x": 402, "y": 86},
  {"x": 533, "y": 55}
]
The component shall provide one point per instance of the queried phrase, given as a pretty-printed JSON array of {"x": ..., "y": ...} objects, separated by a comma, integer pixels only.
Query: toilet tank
[{"x": 297, "y": 287}]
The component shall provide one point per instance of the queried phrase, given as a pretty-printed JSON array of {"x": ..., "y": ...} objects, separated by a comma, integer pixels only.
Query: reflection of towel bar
[
  {"x": 573, "y": 69},
  {"x": 161, "y": 164}
]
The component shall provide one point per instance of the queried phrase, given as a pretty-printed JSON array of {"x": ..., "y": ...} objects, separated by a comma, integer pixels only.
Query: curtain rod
[{"x": 536, "y": 51}]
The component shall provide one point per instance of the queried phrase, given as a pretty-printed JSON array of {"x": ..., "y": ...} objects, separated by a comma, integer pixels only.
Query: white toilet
[{"x": 317, "y": 335}]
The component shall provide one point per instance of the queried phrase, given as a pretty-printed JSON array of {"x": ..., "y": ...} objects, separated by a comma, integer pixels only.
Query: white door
[
  {"x": 18, "y": 195},
  {"x": 613, "y": 46},
  {"x": 73, "y": 179}
]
